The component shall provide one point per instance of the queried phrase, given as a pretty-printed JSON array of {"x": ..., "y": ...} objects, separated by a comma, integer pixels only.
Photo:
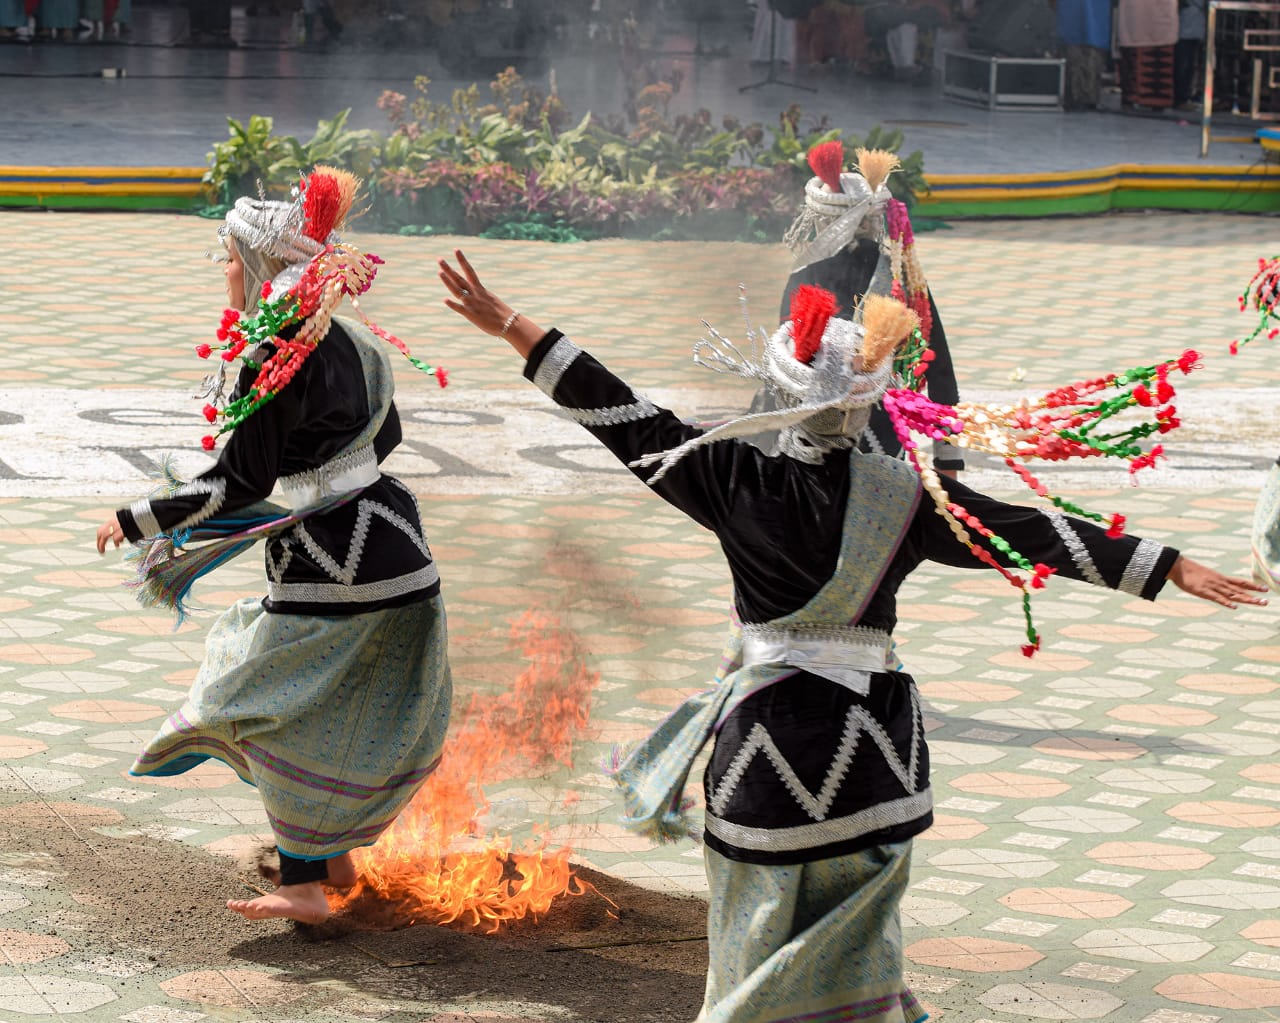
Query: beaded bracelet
[{"x": 507, "y": 326}]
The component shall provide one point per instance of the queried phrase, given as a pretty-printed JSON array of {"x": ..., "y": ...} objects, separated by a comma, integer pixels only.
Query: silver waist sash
[
  {"x": 846, "y": 656},
  {"x": 353, "y": 471}
]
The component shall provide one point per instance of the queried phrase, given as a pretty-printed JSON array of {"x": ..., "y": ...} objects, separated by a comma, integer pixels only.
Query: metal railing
[{"x": 1256, "y": 41}]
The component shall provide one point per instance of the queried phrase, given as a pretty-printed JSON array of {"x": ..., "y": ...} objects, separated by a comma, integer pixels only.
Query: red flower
[
  {"x": 207, "y": 443},
  {"x": 210, "y": 413},
  {"x": 1142, "y": 396},
  {"x": 1042, "y": 572},
  {"x": 204, "y": 351},
  {"x": 266, "y": 290},
  {"x": 1189, "y": 360},
  {"x": 1115, "y": 529},
  {"x": 442, "y": 375},
  {"x": 1029, "y": 649}
]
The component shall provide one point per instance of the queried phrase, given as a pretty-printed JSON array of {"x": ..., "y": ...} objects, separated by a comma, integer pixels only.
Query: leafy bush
[{"x": 516, "y": 167}]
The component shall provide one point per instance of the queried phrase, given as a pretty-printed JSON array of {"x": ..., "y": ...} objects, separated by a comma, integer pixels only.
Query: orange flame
[{"x": 437, "y": 863}]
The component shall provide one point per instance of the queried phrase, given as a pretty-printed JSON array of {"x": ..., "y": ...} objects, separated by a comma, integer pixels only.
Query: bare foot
[
  {"x": 342, "y": 871},
  {"x": 305, "y": 903}
]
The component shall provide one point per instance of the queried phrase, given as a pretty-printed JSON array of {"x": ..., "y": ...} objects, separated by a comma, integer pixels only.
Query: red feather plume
[
  {"x": 322, "y": 205},
  {"x": 827, "y": 160},
  {"x": 811, "y": 308}
]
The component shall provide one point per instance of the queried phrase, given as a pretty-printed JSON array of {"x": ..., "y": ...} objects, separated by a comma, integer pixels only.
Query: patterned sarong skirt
[
  {"x": 818, "y": 941},
  {"x": 337, "y": 721}
]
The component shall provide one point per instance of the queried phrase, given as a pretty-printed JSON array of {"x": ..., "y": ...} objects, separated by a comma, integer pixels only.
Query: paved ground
[
  {"x": 1104, "y": 846},
  {"x": 56, "y": 109}
]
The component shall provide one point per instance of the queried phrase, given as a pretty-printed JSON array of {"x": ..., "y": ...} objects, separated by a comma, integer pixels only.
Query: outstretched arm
[
  {"x": 244, "y": 474},
  {"x": 1080, "y": 550},
  {"x": 1209, "y": 584}
]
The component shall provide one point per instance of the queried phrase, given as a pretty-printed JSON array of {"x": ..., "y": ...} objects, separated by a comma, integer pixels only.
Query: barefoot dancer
[
  {"x": 815, "y": 787},
  {"x": 332, "y": 694}
]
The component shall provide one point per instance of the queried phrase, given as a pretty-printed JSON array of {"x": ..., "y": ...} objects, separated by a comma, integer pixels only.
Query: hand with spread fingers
[
  {"x": 476, "y": 303},
  {"x": 110, "y": 532},
  {"x": 1209, "y": 584}
]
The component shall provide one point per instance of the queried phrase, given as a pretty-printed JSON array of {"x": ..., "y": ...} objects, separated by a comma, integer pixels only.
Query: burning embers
[{"x": 441, "y": 862}]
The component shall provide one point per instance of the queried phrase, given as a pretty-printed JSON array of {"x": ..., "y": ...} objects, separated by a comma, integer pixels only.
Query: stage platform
[{"x": 139, "y": 137}]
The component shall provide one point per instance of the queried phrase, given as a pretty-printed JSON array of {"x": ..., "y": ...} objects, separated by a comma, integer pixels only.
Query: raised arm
[{"x": 627, "y": 424}]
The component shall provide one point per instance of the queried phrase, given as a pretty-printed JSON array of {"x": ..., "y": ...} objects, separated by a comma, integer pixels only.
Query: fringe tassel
[
  {"x": 168, "y": 581},
  {"x": 165, "y": 571}
]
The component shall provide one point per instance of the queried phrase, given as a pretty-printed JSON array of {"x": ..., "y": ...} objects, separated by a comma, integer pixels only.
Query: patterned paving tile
[{"x": 1102, "y": 847}]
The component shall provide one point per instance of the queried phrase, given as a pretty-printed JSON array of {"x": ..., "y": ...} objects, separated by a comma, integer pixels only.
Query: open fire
[{"x": 440, "y": 862}]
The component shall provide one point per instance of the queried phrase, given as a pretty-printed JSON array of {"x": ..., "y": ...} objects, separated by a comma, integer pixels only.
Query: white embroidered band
[
  {"x": 354, "y": 470},
  {"x": 551, "y": 369}
]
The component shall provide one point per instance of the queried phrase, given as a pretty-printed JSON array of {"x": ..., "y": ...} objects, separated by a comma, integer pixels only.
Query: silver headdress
[
  {"x": 273, "y": 241},
  {"x": 830, "y": 220},
  {"x": 823, "y": 404}
]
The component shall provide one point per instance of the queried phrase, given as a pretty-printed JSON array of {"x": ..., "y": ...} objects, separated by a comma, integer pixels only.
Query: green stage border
[{"x": 1253, "y": 189}]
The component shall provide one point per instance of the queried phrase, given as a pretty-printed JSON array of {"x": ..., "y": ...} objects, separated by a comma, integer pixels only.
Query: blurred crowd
[
  {"x": 1151, "y": 49},
  {"x": 54, "y": 19},
  {"x": 208, "y": 21}
]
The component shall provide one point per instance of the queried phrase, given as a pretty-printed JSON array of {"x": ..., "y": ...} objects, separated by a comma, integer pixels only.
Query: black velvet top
[{"x": 366, "y": 554}]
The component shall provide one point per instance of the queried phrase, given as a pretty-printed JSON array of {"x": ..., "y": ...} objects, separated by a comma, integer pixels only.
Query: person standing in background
[
  {"x": 311, "y": 8},
  {"x": 58, "y": 17},
  {"x": 774, "y": 36},
  {"x": 1192, "y": 28},
  {"x": 1084, "y": 27},
  {"x": 18, "y": 18},
  {"x": 97, "y": 15},
  {"x": 1147, "y": 32},
  {"x": 210, "y": 22}
]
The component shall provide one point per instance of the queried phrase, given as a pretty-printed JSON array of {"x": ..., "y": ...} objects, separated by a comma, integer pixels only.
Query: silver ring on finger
[{"x": 466, "y": 293}]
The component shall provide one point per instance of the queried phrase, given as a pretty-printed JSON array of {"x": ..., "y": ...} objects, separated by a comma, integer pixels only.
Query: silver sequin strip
[
  {"x": 809, "y": 836},
  {"x": 364, "y": 593},
  {"x": 551, "y": 369},
  {"x": 216, "y": 489},
  {"x": 317, "y": 477},
  {"x": 641, "y": 408},
  {"x": 840, "y": 633},
  {"x": 144, "y": 517},
  {"x": 1079, "y": 552},
  {"x": 1140, "y": 567}
]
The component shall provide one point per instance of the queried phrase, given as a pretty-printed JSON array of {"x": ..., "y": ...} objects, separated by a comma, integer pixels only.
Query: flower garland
[
  {"x": 909, "y": 284},
  {"x": 1263, "y": 293},
  {"x": 1062, "y": 424},
  {"x": 337, "y": 272}
]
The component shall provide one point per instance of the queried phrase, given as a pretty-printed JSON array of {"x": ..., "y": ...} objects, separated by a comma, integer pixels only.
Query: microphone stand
[{"x": 772, "y": 77}]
